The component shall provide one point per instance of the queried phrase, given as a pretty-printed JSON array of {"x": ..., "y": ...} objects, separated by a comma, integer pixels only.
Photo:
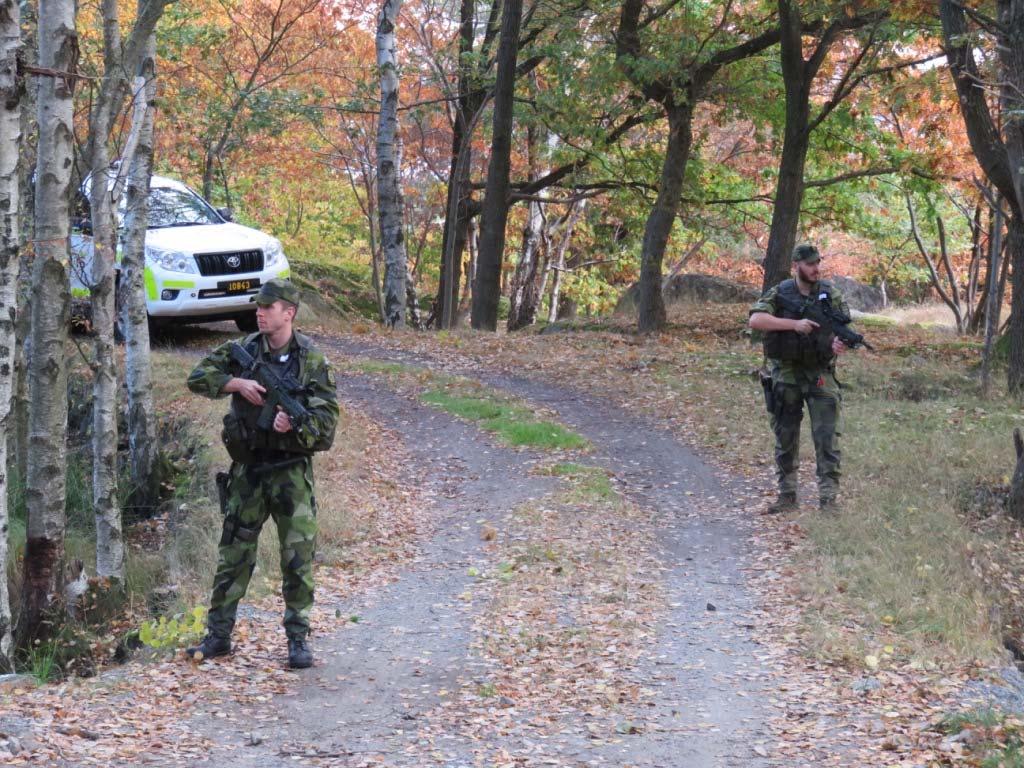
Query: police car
[{"x": 200, "y": 265}]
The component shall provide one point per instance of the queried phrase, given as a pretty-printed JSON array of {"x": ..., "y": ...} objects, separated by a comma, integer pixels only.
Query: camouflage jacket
[
  {"x": 788, "y": 371},
  {"x": 213, "y": 372}
]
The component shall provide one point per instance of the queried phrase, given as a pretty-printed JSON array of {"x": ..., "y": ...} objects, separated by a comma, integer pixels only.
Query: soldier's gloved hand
[
  {"x": 282, "y": 422},
  {"x": 804, "y": 326},
  {"x": 251, "y": 390},
  {"x": 838, "y": 347}
]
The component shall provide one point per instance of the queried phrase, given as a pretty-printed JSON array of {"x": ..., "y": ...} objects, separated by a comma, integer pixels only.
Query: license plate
[{"x": 238, "y": 286}]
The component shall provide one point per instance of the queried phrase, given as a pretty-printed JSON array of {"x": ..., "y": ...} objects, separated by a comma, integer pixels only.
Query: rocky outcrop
[
  {"x": 859, "y": 296},
  {"x": 696, "y": 288}
]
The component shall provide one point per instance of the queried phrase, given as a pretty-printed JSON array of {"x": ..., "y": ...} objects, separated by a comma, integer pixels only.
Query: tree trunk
[
  {"x": 524, "y": 295},
  {"x": 473, "y": 248},
  {"x": 46, "y": 482},
  {"x": 109, "y": 542},
  {"x": 993, "y": 296},
  {"x": 557, "y": 263},
  {"x": 663, "y": 215},
  {"x": 487, "y": 287},
  {"x": 1015, "y": 502},
  {"x": 142, "y": 444},
  {"x": 456, "y": 229},
  {"x": 389, "y": 161},
  {"x": 1011, "y": 54},
  {"x": 412, "y": 302},
  {"x": 12, "y": 88},
  {"x": 789, "y": 190},
  {"x": 23, "y": 321},
  {"x": 1015, "y": 251}
]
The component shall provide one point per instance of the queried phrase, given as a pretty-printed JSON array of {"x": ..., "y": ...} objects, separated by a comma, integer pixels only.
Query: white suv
[{"x": 200, "y": 266}]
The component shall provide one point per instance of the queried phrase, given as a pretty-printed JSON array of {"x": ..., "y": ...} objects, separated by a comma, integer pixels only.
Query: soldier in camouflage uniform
[
  {"x": 272, "y": 472},
  {"x": 801, "y": 355}
]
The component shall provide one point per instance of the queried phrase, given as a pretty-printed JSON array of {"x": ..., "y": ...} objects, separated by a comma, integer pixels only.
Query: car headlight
[
  {"x": 273, "y": 254},
  {"x": 172, "y": 261}
]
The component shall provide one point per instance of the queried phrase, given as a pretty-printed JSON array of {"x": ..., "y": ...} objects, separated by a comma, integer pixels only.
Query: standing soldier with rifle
[
  {"x": 805, "y": 324},
  {"x": 284, "y": 408}
]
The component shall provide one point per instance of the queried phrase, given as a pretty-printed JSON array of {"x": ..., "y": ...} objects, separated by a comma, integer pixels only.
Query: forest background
[{"x": 549, "y": 155}]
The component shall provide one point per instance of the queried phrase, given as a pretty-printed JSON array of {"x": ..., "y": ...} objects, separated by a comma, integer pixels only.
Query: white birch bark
[
  {"x": 558, "y": 265},
  {"x": 12, "y": 88},
  {"x": 109, "y": 541},
  {"x": 47, "y": 459},
  {"x": 142, "y": 445},
  {"x": 389, "y": 161}
]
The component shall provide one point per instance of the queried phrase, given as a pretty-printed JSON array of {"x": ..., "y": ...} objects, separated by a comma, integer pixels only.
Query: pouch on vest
[{"x": 237, "y": 439}]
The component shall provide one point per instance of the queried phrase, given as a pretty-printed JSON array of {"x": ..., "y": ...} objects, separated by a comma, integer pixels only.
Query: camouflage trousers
[
  {"x": 821, "y": 393},
  {"x": 255, "y": 493}
]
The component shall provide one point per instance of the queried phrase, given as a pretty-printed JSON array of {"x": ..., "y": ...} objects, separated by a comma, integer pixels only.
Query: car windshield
[{"x": 175, "y": 208}]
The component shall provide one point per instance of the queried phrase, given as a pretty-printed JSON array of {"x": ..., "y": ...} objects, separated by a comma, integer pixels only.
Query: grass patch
[
  {"x": 901, "y": 565},
  {"x": 587, "y": 481},
  {"x": 513, "y": 423},
  {"x": 382, "y": 368},
  {"x": 471, "y": 408}
]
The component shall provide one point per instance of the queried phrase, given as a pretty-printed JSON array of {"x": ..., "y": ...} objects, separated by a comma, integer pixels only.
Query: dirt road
[{"x": 380, "y": 693}]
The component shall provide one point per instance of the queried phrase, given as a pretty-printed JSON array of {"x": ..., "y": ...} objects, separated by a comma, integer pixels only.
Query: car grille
[{"x": 218, "y": 263}]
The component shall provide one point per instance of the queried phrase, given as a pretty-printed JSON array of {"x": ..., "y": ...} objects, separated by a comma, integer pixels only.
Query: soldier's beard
[{"x": 807, "y": 274}]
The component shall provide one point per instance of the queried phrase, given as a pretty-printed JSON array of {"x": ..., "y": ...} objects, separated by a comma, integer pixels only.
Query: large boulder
[
  {"x": 859, "y": 296},
  {"x": 696, "y": 288}
]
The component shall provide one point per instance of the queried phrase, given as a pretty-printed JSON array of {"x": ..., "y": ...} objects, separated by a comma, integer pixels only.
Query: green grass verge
[
  {"x": 897, "y": 566},
  {"x": 514, "y": 424},
  {"x": 587, "y": 481}
]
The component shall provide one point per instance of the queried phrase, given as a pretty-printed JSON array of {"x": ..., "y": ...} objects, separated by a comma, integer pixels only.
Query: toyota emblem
[{"x": 234, "y": 262}]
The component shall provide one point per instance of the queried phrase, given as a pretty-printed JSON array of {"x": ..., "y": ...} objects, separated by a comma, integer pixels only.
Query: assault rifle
[
  {"x": 822, "y": 310},
  {"x": 280, "y": 392}
]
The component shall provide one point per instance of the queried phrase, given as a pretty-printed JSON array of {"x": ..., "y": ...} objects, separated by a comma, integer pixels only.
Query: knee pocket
[{"x": 789, "y": 403}]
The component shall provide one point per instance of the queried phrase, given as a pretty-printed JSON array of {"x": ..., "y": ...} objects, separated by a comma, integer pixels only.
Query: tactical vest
[
  {"x": 813, "y": 350},
  {"x": 246, "y": 443}
]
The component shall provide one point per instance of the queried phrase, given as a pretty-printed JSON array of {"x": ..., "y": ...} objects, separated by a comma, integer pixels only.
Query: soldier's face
[
  {"x": 808, "y": 272},
  {"x": 272, "y": 318}
]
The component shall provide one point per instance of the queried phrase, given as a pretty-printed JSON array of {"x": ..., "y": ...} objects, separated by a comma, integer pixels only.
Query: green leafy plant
[{"x": 179, "y": 630}]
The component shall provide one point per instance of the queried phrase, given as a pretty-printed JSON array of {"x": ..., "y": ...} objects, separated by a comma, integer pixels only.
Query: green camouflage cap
[
  {"x": 806, "y": 252},
  {"x": 277, "y": 290}
]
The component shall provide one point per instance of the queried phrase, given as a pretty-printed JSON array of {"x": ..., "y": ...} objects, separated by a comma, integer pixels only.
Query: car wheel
[
  {"x": 157, "y": 328},
  {"x": 246, "y": 323}
]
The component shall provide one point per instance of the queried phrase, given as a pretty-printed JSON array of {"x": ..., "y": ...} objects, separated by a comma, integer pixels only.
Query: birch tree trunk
[
  {"x": 524, "y": 296},
  {"x": 389, "y": 162},
  {"x": 557, "y": 264},
  {"x": 12, "y": 87},
  {"x": 46, "y": 482},
  {"x": 142, "y": 445},
  {"x": 23, "y": 321},
  {"x": 109, "y": 542}
]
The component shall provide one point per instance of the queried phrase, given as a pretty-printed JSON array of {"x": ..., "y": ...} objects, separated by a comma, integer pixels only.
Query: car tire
[
  {"x": 247, "y": 322},
  {"x": 157, "y": 328}
]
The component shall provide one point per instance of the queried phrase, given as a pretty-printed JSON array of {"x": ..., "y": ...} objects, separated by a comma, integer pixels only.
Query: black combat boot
[
  {"x": 211, "y": 647},
  {"x": 785, "y": 503},
  {"x": 299, "y": 654},
  {"x": 829, "y": 505}
]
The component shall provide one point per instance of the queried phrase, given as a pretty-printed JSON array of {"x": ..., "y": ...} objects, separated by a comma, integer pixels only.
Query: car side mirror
[{"x": 226, "y": 214}]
